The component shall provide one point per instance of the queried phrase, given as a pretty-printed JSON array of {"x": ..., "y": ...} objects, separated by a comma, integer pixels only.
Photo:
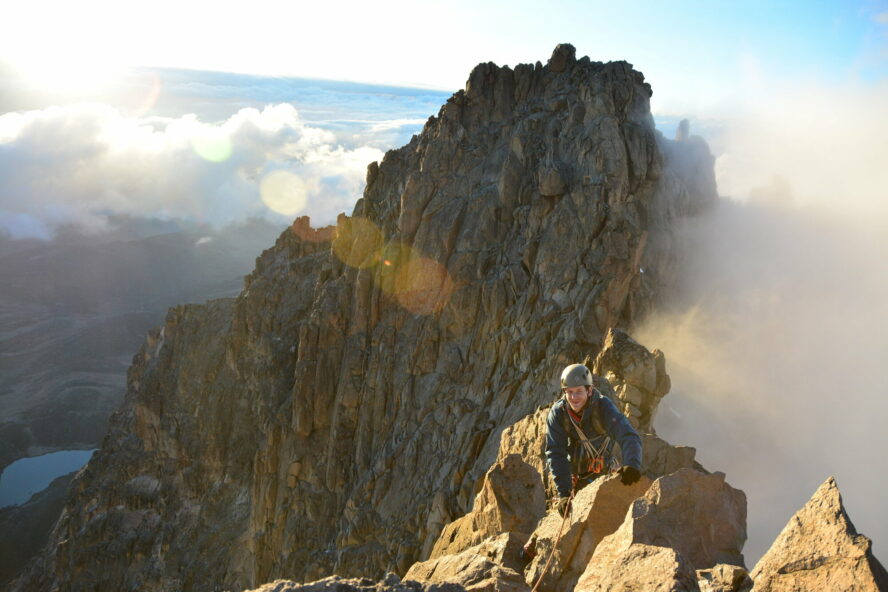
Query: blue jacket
[{"x": 564, "y": 450}]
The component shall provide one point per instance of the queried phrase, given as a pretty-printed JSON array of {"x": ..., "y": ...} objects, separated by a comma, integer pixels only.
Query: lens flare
[
  {"x": 358, "y": 242},
  {"x": 146, "y": 91},
  {"x": 422, "y": 285},
  {"x": 284, "y": 192},
  {"x": 394, "y": 256},
  {"x": 419, "y": 284},
  {"x": 212, "y": 145}
]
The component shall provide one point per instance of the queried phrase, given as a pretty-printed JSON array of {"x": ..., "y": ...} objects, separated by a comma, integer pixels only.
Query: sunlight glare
[
  {"x": 69, "y": 73},
  {"x": 213, "y": 145},
  {"x": 284, "y": 192}
]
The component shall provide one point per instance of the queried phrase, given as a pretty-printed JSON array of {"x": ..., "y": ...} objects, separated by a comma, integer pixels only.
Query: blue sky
[{"x": 697, "y": 54}]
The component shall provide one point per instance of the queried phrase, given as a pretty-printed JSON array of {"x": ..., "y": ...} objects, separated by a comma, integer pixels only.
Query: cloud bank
[
  {"x": 83, "y": 163},
  {"x": 777, "y": 336}
]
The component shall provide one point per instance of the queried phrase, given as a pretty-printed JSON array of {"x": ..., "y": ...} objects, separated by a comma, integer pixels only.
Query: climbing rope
[{"x": 557, "y": 540}]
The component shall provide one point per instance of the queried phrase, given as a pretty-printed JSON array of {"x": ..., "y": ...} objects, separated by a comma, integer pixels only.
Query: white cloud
[
  {"x": 826, "y": 143},
  {"x": 81, "y": 163},
  {"x": 777, "y": 337}
]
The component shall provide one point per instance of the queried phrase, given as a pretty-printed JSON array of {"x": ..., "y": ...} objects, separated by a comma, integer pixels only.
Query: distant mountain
[{"x": 73, "y": 310}]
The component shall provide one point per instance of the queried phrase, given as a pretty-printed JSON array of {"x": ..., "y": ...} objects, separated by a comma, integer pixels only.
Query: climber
[{"x": 580, "y": 433}]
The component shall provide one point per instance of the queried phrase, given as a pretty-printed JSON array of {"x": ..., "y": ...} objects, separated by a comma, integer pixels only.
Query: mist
[{"x": 776, "y": 335}]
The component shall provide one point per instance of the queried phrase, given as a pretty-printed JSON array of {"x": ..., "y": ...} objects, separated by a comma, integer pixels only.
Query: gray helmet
[{"x": 576, "y": 375}]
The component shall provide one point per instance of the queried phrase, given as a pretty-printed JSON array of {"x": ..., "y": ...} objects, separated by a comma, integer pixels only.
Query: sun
[{"x": 69, "y": 74}]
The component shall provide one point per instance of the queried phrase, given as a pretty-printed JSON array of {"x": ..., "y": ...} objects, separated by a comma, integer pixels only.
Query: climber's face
[{"x": 577, "y": 396}]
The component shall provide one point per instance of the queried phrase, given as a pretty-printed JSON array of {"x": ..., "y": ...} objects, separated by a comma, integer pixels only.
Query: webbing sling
[
  {"x": 594, "y": 453},
  {"x": 590, "y": 448}
]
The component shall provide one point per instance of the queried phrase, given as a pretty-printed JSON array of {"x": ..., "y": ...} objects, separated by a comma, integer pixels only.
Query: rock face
[
  {"x": 346, "y": 405},
  {"x": 819, "y": 549},
  {"x": 25, "y": 529}
]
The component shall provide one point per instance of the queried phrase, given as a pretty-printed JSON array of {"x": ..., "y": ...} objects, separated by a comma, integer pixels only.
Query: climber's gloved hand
[
  {"x": 563, "y": 505},
  {"x": 629, "y": 475}
]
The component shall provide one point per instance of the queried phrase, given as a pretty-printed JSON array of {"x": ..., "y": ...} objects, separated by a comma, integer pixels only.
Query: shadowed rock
[
  {"x": 819, "y": 549},
  {"x": 511, "y": 499},
  {"x": 391, "y": 583},
  {"x": 662, "y": 458},
  {"x": 24, "y": 529},
  {"x": 724, "y": 578}
]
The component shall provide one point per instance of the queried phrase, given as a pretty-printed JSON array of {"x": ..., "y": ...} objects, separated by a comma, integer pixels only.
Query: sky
[
  {"x": 211, "y": 98},
  {"x": 215, "y": 113},
  {"x": 695, "y": 53}
]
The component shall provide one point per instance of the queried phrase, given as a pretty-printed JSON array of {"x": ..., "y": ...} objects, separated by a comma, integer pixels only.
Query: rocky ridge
[
  {"x": 682, "y": 531},
  {"x": 346, "y": 406}
]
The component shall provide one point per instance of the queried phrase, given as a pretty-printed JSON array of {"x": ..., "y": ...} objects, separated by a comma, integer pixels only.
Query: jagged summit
[{"x": 345, "y": 407}]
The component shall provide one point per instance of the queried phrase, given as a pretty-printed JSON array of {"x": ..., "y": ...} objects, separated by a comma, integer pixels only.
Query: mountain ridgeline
[{"x": 344, "y": 408}]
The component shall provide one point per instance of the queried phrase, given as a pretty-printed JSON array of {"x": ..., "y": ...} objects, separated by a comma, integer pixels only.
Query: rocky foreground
[
  {"x": 680, "y": 528},
  {"x": 373, "y": 401}
]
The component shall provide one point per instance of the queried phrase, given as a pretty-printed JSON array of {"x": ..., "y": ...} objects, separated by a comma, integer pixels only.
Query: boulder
[
  {"x": 492, "y": 566},
  {"x": 511, "y": 499},
  {"x": 597, "y": 511},
  {"x": 724, "y": 578},
  {"x": 819, "y": 549},
  {"x": 637, "y": 567},
  {"x": 661, "y": 458},
  {"x": 685, "y": 521},
  {"x": 638, "y": 376}
]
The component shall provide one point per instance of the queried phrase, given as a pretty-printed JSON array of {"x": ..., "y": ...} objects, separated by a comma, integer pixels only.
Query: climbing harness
[{"x": 595, "y": 464}]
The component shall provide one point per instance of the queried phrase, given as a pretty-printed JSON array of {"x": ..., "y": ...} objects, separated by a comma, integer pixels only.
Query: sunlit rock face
[
  {"x": 343, "y": 409},
  {"x": 819, "y": 549}
]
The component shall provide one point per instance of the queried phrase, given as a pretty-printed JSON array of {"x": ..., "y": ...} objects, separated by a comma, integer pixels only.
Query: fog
[{"x": 776, "y": 337}]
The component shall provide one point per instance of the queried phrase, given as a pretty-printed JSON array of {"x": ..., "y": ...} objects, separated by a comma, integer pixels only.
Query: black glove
[
  {"x": 563, "y": 505},
  {"x": 528, "y": 551},
  {"x": 628, "y": 475}
]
